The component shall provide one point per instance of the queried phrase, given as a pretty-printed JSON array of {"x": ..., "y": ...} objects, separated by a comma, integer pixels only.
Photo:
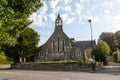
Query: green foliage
[
  {"x": 27, "y": 44},
  {"x": 2, "y": 56},
  {"x": 14, "y": 19},
  {"x": 108, "y": 37},
  {"x": 101, "y": 51},
  {"x": 67, "y": 62},
  {"x": 4, "y": 59},
  {"x": 117, "y": 39}
]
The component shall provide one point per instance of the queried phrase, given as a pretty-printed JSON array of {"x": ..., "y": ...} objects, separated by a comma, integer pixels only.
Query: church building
[{"x": 59, "y": 46}]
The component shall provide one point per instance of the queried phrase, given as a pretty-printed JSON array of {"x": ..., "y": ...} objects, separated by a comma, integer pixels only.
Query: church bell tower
[{"x": 58, "y": 23}]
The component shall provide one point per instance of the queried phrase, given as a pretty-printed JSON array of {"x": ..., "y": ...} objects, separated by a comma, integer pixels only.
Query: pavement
[
  {"x": 112, "y": 67},
  {"x": 110, "y": 72},
  {"x": 55, "y": 75},
  {"x": 113, "y": 64}
]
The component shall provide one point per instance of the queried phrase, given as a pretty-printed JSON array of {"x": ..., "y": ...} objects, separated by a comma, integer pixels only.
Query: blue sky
[{"x": 105, "y": 16}]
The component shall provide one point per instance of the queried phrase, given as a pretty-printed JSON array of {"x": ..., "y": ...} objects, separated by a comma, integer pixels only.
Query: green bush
[
  {"x": 2, "y": 56},
  {"x": 101, "y": 51},
  {"x": 67, "y": 62},
  {"x": 4, "y": 59}
]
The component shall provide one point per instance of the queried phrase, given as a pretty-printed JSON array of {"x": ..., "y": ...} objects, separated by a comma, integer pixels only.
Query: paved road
[
  {"x": 59, "y": 75},
  {"x": 113, "y": 64}
]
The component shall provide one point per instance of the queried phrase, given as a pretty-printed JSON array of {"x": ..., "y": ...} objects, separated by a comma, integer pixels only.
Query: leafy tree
[
  {"x": 117, "y": 39},
  {"x": 27, "y": 44},
  {"x": 108, "y": 37},
  {"x": 101, "y": 51},
  {"x": 14, "y": 16},
  {"x": 14, "y": 20}
]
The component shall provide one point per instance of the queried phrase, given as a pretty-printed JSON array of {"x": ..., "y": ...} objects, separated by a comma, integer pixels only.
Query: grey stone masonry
[
  {"x": 59, "y": 46},
  {"x": 58, "y": 66}
]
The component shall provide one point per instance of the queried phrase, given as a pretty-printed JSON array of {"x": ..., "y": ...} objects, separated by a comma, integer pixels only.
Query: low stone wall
[
  {"x": 5, "y": 66},
  {"x": 58, "y": 67}
]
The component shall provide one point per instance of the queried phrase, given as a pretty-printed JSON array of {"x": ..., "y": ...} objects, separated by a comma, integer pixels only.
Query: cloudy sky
[{"x": 105, "y": 15}]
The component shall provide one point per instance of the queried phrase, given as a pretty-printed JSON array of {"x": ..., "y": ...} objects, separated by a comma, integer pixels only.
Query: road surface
[{"x": 55, "y": 75}]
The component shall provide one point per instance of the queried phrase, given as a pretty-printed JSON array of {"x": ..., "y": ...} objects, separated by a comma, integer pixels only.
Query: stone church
[{"x": 59, "y": 46}]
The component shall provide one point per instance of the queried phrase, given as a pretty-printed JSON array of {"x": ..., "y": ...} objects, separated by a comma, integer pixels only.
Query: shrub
[
  {"x": 4, "y": 59},
  {"x": 101, "y": 51}
]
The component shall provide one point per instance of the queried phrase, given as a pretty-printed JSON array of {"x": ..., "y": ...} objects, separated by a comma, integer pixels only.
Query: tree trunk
[
  {"x": 20, "y": 59},
  {"x": 24, "y": 59}
]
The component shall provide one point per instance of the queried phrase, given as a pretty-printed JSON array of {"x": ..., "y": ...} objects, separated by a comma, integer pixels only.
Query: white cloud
[
  {"x": 33, "y": 16},
  {"x": 88, "y": 1},
  {"x": 94, "y": 7},
  {"x": 67, "y": 1},
  {"x": 81, "y": 23},
  {"x": 64, "y": 16},
  {"x": 117, "y": 17},
  {"x": 44, "y": 9},
  {"x": 52, "y": 16},
  {"x": 108, "y": 4},
  {"x": 67, "y": 8},
  {"x": 37, "y": 19},
  {"x": 107, "y": 11},
  {"x": 79, "y": 8},
  {"x": 53, "y": 4},
  {"x": 117, "y": 0},
  {"x": 107, "y": 17},
  {"x": 94, "y": 19},
  {"x": 78, "y": 11},
  {"x": 70, "y": 20},
  {"x": 117, "y": 26},
  {"x": 82, "y": 0},
  {"x": 72, "y": 13},
  {"x": 88, "y": 11}
]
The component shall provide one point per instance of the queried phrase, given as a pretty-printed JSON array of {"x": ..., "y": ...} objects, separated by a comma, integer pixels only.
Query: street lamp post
[
  {"x": 91, "y": 32},
  {"x": 89, "y": 20}
]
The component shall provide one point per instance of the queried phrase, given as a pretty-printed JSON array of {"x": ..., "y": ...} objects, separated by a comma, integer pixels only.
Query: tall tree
[
  {"x": 101, "y": 51},
  {"x": 108, "y": 37},
  {"x": 27, "y": 44},
  {"x": 117, "y": 39},
  {"x": 14, "y": 16}
]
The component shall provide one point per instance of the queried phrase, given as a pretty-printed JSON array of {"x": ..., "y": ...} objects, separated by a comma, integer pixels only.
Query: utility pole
[
  {"x": 89, "y": 20},
  {"x": 91, "y": 32}
]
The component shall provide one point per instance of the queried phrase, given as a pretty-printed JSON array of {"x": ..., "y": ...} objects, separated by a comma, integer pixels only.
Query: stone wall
[
  {"x": 58, "y": 67},
  {"x": 110, "y": 59},
  {"x": 118, "y": 54},
  {"x": 5, "y": 66}
]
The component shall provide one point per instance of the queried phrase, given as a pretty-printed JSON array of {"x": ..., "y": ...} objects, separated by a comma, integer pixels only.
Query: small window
[
  {"x": 58, "y": 44},
  {"x": 63, "y": 45},
  {"x": 39, "y": 54},
  {"x": 60, "y": 22},
  {"x": 53, "y": 45}
]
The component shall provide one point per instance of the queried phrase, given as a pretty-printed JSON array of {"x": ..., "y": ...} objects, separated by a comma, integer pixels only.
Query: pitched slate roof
[{"x": 86, "y": 44}]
